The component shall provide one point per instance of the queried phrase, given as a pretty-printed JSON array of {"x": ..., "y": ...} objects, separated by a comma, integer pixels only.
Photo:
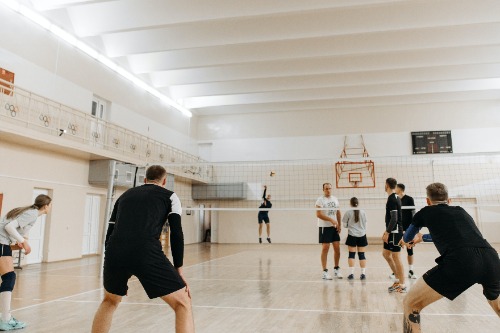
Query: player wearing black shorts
[
  {"x": 459, "y": 242},
  {"x": 134, "y": 248},
  {"x": 407, "y": 215},
  {"x": 392, "y": 235},
  {"x": 355, "y": 222},
  {"x": 263, "y": 215},
  {"x": 329, "y": 219}
]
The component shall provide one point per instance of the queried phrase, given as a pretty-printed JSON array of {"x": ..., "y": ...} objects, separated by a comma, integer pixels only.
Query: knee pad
[
  {"x": 8, "y": 282},
  {"x": 361, "y": 256},
  {"x": 410, "y": 252},
  {"x": 352, "y": 255}
]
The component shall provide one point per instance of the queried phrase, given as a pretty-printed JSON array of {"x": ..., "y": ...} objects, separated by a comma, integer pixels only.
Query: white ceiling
[{"x": 242, "y": 56}]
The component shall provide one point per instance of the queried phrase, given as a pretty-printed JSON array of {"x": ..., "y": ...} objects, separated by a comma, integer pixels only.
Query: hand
[
  {"x": 24, "y": 245},
  {"x": 179, "y": 270},
  {"x": 385, "y": 237},
  {"x": 265, "y": 187}
]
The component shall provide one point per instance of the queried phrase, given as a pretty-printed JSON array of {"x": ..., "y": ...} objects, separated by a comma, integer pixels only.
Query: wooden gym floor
[{"x": 247, "y": 288}]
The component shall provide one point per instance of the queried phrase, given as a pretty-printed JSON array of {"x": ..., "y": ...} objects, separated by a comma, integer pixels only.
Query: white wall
[{"x": 317, "y": 134}]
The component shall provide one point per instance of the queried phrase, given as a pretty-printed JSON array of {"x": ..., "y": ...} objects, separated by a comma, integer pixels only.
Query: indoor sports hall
[{"x": 241, "y": 100}]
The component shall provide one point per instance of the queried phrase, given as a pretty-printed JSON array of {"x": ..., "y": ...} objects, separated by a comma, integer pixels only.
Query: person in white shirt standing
[
  {"x": 355, "y": 222},
  {"x": 329, "y": 218}
]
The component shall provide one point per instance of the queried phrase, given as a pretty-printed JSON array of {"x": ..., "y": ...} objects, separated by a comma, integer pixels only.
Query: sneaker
[
  {"x": 412, "y": 275},
  {"x": 394, "y": 286},
  {"x": 327, "y": 276},
  {"x": 12, "y": 324},
  {"x": 350, "y": 277},
  {"x": 269, "y": 240},
  {"x": 401, "y": 290},
  {"x": 362, "y": 277},
  {"x": 337, "y": 273},
  {"x": 392, "y": 276},
  {"x": 260, "y": 240}
]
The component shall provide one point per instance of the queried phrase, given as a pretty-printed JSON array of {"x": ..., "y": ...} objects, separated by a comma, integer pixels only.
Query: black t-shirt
[
  {"x": 407, "y": 214},
  {"x": 139, "y": 215},
  {"x": 451, "y": 227},
  {"x": 393, "y": 203}
]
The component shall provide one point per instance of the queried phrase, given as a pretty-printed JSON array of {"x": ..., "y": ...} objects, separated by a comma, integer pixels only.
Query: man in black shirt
[
  {"x": 263, "y": 215},
  {"x": 459, "y": 242},
  {"x": 407, "y": 215},
  {"x": 134, "y": 248},
  {"x": 392, "y": 235}
]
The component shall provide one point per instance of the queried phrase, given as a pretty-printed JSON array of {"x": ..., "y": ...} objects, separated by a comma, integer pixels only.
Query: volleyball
[{"x": 272, "y": 173}]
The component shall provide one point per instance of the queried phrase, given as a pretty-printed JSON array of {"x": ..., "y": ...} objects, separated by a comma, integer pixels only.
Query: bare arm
[{"x": 320, "y": 215}]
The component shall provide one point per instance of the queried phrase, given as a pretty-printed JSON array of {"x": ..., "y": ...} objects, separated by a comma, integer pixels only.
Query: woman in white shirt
[
  {"x": 14, "y": 228},
  {"x": 355, "y": 221}
]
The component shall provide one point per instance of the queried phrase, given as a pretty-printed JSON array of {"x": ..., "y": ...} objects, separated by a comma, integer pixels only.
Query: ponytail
[
  {"x": 354, "y": 203},
  {"x": 40, "y": 201}
]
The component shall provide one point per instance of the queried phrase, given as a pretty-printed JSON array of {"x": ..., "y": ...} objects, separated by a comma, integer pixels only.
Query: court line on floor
[{"x": 294, "y": 310}]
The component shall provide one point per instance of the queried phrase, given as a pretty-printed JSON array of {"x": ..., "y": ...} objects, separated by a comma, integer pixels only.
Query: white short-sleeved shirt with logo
[{"x": 331, "y": 204}]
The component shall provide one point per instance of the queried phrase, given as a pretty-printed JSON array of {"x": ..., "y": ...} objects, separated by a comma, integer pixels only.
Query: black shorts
[
  {"x": 156, "y": 274},
  {"x": 459, "y": 270},
  {"x": 356, "y": 241},
  {"x": 5, "y": 251},
  {"x": 263, "y": 218},
  {"x": 328, "y": 235},
  {"x": 394, "y": 239}
]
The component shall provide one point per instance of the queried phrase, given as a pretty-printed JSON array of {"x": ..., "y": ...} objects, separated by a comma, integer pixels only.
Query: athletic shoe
[
  {"x": 412, "y": 275},
  {"x": 337, "y": 273},
  {"x": 12, "y": 324},
  {"x": 327, "y": 276},
  {"x": 269, "y": 240},
  {"x": 394, "y": 286},
  {"x": 401, "y": 290},
  {"x": 362, "y": 277},
  {"x": 260, "y": 240},
  {"x": 350, "y": 277}
]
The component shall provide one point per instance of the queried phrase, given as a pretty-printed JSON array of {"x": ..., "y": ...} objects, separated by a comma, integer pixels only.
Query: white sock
[
  {"x": 352, "y": 270},
  {"x": 5, "y": 298},
  {"x": 363, "y": 270},
  {"x": 411, "y": 267}
]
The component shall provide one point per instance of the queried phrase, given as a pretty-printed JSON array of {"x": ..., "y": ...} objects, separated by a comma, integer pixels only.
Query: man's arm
[
  {"x": 339, "y": 218},
  {"x": 176, "y": 239},
  {"x": 320, "y": 215}
]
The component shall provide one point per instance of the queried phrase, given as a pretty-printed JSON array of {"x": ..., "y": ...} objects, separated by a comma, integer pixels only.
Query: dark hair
[
  {"x": 437, "y": 192},
  {"x": 401, "y": 186},
  {"x": 40, "y": 201},
  {"x": 354, "y": 203},
  {"x": 326, "y": 184},
  {"x": 391, "y": 182},
  {"x": 156, "y": 173}
]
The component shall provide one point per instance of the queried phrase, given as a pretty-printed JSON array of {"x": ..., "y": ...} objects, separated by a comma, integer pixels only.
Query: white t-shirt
[
  {"x": 332, "y": 203},
  {"x": 26, "y": 220}
]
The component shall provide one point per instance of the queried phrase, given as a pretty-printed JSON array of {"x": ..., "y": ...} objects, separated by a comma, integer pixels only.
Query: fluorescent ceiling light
[{"x": 72, "y": 40}]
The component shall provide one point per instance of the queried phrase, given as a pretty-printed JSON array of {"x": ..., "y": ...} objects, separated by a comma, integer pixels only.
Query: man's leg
[
  {"x": 180, "y": 302},
  {"x": 418, "y": 298},
  {"x": 495, "y": 305},
  {"x": 388, "y": 257},
  {"x": 104, "y": 314},
  {"x": 336, "y": 253},
  {"x": 324, "y": 254},
  {"x": 268, "y": 229},
  {"x": 398, "y": 265}
]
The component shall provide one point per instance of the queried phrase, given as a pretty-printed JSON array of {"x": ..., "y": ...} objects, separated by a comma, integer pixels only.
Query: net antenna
[{"x": 355, "y": 169}]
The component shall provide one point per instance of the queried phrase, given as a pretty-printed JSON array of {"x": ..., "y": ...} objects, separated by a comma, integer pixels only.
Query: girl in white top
[
  {"x": 14, "y": 228},
  {"x": 355, "y": 222}
]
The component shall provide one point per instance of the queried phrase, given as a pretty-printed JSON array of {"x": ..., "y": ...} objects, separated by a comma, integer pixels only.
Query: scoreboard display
[{"x": 431, "y": 142}]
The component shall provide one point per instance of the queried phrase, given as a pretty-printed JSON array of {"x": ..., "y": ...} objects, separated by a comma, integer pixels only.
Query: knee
[
  {"x": 386, "y": 255},
  {"x": 325, "y": 248},
  {"x": 182, "y": 302},
  {"x": 361, "y": 256},
  {"x": 112, "y": 302},
  {"x": 8, "y": 281}
]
